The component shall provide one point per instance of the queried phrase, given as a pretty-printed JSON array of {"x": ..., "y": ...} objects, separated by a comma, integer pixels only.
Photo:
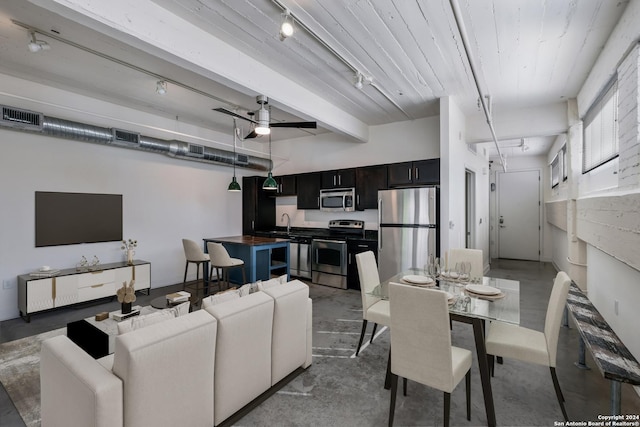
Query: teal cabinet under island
[{"x": 262, "y": 256}]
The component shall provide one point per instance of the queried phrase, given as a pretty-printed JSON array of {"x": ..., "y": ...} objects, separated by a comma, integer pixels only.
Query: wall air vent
[
  {"x": 196, "y": 150},
  {"x": 21, "y": 119},
  {"x": 242, "y": 159},
  {"x": 126, "y": 137}
]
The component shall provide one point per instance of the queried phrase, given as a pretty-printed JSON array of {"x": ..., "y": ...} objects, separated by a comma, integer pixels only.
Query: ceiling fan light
[{"x": 263, "y": 129}]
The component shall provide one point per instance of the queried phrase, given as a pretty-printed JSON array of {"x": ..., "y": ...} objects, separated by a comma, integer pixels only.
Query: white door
[{"x": 519, "y": 215}]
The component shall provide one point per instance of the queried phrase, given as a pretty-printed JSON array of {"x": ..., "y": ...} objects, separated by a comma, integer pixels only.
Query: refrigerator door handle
[{"x": 379, "y": 223}]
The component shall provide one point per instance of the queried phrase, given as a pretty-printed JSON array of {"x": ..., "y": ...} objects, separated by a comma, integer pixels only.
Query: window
[
  {"x": 600, "y": 142},
  {"x": 559, "y": 167},
  {"x": 555, "y": 171}
]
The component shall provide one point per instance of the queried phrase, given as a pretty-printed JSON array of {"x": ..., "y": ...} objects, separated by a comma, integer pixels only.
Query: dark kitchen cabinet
[
  {"x": 258, "y": 207},
  {"x": 345, "y": 178},
  {"x": 286, "y": 185},
  {"x": 369, "y": 180},
  {"x": 422, "y": 172},
  {"x": 355, "y": 247},
  {"x": 308, "y": 190}
]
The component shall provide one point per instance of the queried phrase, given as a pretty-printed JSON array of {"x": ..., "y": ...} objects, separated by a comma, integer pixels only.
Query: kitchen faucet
[{"x": 288, "y": 221}]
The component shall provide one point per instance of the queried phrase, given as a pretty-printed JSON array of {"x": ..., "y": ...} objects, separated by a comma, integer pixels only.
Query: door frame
[{"x": 470, "y": 208}]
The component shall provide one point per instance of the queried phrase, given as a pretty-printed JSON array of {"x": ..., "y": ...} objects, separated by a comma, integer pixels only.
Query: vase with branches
[
  {"x": 128, "y": 248},
  {"x": 126, "y": 295}
]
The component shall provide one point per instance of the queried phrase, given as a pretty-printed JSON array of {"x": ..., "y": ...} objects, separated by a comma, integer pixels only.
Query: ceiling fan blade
[
  {"x": 231, "y": 113},
  {"x": 302, "y": 125},
  {"x": 251, "y": 134}
]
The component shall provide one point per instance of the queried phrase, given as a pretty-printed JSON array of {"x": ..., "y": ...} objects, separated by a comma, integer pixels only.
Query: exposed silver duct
[{"x": 29, "y": 121}]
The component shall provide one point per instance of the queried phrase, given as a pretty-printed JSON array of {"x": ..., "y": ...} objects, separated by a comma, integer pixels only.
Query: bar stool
[
  {"x": 221, "y": 260},
  {"x": 194, "y": 254}
]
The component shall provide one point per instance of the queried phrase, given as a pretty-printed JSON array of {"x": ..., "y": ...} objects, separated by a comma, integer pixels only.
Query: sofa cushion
[
  {"x": 288, "y": 347},
  {"x": 168, "y": 372},
  {"x": 243, "y": 352}
]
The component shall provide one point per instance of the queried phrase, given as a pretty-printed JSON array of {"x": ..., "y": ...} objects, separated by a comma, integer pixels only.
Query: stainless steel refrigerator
[{"x": 408, "y": 229}]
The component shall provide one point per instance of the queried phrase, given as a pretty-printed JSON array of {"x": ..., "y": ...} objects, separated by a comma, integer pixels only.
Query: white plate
[
  {"x": 418, "y": 280},
  {"x": 482, "y": 289}
]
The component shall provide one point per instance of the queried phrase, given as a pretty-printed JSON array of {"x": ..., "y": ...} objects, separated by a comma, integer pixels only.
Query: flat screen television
[{"x": 72, "y": 218}]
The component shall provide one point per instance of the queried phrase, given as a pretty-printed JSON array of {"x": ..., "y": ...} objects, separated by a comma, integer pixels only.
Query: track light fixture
[
  {"x": 161, "y": 87},
  {"x": 37, "y": 45},
  {"x": 286, "y": 28},
  {"x": 358, "y": 83}
]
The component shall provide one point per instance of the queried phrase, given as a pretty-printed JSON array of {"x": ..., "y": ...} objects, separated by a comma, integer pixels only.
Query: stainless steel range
[{"x": 329, "y": 262}]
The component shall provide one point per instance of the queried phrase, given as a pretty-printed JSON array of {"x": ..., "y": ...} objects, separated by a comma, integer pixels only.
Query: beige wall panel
[
  {"x": 612, "y": 224},
  {"x": 557, "y": 214}
]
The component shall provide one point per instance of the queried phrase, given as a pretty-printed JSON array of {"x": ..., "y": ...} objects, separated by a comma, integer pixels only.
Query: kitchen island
[{"x": 258, "y": 256}]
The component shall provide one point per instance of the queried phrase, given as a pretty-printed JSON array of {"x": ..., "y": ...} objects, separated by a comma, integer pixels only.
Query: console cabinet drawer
[
  {"x": 93, "y": 278},
  {"x": 98, "y": 291}
]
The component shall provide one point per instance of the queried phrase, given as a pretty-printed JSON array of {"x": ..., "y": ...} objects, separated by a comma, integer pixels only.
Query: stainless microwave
[{"x": 338, "y": 200}]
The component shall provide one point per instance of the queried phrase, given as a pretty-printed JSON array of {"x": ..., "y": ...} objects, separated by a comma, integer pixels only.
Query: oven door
[{"x": 329, "y": 262}]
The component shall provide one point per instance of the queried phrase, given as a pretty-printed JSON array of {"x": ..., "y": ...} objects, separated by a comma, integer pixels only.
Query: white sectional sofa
[{"x": 194, "y": 370}]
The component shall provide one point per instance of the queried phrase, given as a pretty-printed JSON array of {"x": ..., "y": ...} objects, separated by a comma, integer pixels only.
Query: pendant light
[
  {"x": 270, "y": 183},
  {"x": 234, "y": 186}
]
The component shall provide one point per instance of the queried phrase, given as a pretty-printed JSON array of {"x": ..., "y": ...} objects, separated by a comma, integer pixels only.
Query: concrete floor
[{"x": 339, "y": 389}]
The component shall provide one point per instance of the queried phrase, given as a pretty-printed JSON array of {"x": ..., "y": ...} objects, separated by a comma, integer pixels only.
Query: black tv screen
[{"x": 71, "y": 218}]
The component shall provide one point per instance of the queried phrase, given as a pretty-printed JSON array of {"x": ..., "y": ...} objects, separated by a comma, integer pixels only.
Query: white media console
[{"x": 71, "y": 286}]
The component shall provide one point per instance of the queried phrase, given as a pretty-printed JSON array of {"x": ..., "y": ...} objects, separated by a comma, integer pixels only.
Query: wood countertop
[{"x": 246, "y": 240}]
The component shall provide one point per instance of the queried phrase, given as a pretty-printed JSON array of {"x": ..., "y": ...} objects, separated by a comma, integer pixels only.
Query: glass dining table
[{"x": 473, "y": 308}]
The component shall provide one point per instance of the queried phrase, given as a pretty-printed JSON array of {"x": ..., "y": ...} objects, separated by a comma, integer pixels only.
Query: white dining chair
[
  {"x": 220, "y": 260},
  {"x": 473, "y": 256},
  {"x": 421, "y": 347},
  {"x": 528, "y": 345},
  {"x": 374, "y": 309},
  {"x": 193, "y": 254}
]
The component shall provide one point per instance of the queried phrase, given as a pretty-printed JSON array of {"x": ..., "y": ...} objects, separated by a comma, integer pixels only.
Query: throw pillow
[
  {"x": 139, "y": 322},
  {"x": 272, "y": 282},
  {"x": 244, "y": 290},
  {"x": 220, "y": 297},
  {"x": 180, "y": 309}
]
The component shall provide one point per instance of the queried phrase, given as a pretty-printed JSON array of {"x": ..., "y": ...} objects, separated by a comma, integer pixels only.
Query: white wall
[
  {"x": 456, "y": 158},
  {"x": 164, "y": 199}
]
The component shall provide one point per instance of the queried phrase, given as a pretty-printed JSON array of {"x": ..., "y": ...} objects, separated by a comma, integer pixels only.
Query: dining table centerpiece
[{"x": 126, "y": 295}]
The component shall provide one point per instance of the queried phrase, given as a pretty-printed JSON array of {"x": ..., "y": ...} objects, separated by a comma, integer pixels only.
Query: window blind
[{"x": 600, "y": 142}]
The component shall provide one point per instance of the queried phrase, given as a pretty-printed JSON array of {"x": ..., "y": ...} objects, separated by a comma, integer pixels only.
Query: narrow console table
[
  {"x": 71, "y": 286},
  {"x": 611, "y": 356},
  {"x": 256, "y": 252}
]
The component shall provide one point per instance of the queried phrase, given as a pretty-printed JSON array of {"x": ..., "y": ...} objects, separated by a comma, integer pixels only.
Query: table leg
[
  {"x": 616, "y": 394},
  {"x": 581, "y": 363},
  {"x": 483, "y": 364},
  {"x": 205, "y": 278}
]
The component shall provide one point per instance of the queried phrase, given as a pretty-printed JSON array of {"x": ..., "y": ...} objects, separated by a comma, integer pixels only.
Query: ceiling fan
[{"x": 261, "y": 119}]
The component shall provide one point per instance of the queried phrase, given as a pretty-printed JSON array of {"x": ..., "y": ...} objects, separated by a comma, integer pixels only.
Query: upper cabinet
[
  {"x": 423, "y": 172},
  {"x": 308, "y": 190},
  {"x": 369, "y": 180},
  {"x": 286, "y": 185},
  {"x": 344, "y": 178}
]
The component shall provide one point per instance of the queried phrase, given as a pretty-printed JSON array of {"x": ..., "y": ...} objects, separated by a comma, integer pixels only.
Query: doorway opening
[{"x": 470, "y": 210}]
